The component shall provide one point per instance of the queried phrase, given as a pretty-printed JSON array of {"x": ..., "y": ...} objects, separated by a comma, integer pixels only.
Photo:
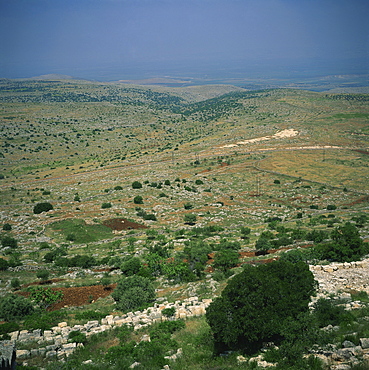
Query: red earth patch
[{"x": 122, "y": 224}]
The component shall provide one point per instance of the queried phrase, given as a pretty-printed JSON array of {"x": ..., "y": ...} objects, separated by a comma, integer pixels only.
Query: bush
[
  {"x": 150, "y": 217},
  {"x": 77, "y": 337},
  {"x": 14, "y": 307},
  {"x": 263, "y": 245},
  {"x": 44, "y": 320},
  {"x": 43, "y": 275},
  {"x": 136, "y": 185},
  {"x": 190, "y": 219},
  {"x": 347, "y": 246},
  {"x": 187, "y": 206},
  {"x": 133, "y": 292},
  {"x": 8, "y": 241},
  {"x": 89, "y": 315},
  {"x": 331, "y": 207},
  {"x": 169, "y": 312},
  {"x": 106, "y": 205},
  {"x": 8, "y": 327},
  {"x": 138, "y": 199},
  {"x": 7, "y": 227},
  {"x": 327, "y": 312},
  {"x": 42, "y": 207},
  {"x": 3, "y": 264},
  {"x": 15, "y": 283},
  {"x": 118, "y": 187},
  {"x": 257, "y": 304},
  {"x": 131, "y": 266},
  {"x": 225, "y": 259}
]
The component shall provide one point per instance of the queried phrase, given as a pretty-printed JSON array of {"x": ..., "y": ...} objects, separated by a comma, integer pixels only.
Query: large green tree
[{"x": 257, "y": 303}]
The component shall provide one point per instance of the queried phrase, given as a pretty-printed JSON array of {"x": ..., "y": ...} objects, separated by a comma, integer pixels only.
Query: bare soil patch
[
  {"x": 122, "y": 224},
  {"x": 79, "y": 296}
]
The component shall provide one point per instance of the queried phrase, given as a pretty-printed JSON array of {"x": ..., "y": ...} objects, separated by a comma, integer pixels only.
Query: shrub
[
  {"x": 277, "y": 182},
  {"x": 150, "y": 217},
  {"x": 8, "y": 241},
  {"x": 136, "y": 185},
  {"x": 245, "y": 232},
  {"x": 133, "y": 292},
  {"x": 8, "y": 327},
  {"x": 138, "y": 199},
  {"x": 169, "y": 312},
  {"x": 42, "y": 207},
  {"x": 327, "y": 312},
  {"x": 187, "y": 206},
  {"x": 331, "y": 207},
  {"x": 3, "y": 264},
  {"x": 77, "y": 337},
  {"x": 44, "y": 320},
  {"x": 262, "y": 245},
  {"x": 225, "y": 259},
  {"x": 106, "y": 205},
  {"x": 346, "y": 245},
  {"x": 89, "y": 315},
  {"x": 43, "y": 275},
  {"x": 14, "y": 307},
  {"x": 198, "y": 182},
  {"x": 71, "y": 237},
  {"x": 131, "y": 266},
  {"x": 7, "y": 227},
  {"x": 15, "y": 283},
  {"x": 118, "y": 187},
  {"x": 190, "y": 219}
]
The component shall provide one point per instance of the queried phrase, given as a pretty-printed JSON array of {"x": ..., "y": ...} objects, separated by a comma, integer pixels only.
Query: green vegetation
[
  {"x": 191, "y": 200},
  {"x": 42, "y": 207},
  {"x": 258, "y": 303},
  {"x": 79, "y": 230},
  {"x": 13, "y": 307},
  {"x": 133, "y": 293}
]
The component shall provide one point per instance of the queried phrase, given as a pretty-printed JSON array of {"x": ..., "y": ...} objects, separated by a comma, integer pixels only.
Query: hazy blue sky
[{"x": 138, "y": 38}]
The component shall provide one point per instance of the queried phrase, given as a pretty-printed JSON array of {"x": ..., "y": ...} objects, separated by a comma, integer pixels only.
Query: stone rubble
[{"x": 54, "y": 343}]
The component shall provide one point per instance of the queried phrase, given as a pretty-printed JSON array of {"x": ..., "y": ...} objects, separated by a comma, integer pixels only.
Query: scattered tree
[
  {"x": 8, "y": 241},
  {"x": 136, "y": 185},
  {"x": 13, "y": 307},
  {"x": 131, "y": 266},
  {"x": 7, "y": 227},
  {"x": 190, "y": 219},
  {"x": 42, "y": 207},
  {"x": 133, "y": 292},
  {"x": 3, "y": 264},
  {"x": 106, "y": 205},
  {"x": 43, "y": 275},
  {"x": 138, "y": 199}
]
